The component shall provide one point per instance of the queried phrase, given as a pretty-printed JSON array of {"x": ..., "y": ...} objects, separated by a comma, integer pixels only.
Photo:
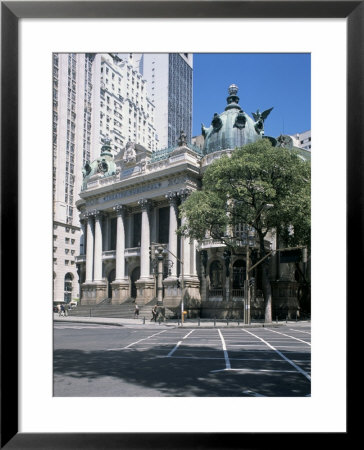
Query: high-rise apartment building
[
  {"x": 94, "y": 96},
  {"x": 126, "y": 112},
  {"x": 75, "y": 94},
  {"x": 169, "y": 85}
]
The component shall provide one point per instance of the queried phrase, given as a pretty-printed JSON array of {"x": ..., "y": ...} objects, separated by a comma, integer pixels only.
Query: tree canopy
[
  {"x": 264, "y": 187},
  {"x": 237, "y": 189}
]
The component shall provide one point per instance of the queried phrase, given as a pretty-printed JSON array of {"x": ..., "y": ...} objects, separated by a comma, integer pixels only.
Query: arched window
[
  {"x": 238, "y": 274},
  {"x": 216, "y": 275},
  {"x": 68, "y": 287}
]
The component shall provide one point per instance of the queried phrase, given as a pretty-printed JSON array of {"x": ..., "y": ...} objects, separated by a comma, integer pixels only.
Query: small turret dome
[{"x": 103, "y": 166}]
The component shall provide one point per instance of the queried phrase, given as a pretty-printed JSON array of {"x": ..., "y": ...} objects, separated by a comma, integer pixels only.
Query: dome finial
[
  {"x": 233, "y": 99},
  {"x": 233, "y": 89}
]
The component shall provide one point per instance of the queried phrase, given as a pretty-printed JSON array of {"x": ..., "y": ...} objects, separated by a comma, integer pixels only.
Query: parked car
[{"x": 55, "y": 309}]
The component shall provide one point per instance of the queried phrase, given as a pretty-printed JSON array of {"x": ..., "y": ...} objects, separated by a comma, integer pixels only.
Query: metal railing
[{"x": 215, "y": 293}]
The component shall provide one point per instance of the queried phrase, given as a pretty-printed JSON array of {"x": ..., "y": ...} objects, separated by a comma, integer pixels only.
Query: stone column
[
  {"x": 83, "y": 235},
  {"x": 145, "y": 239},
  {"x": 120, "y": 242},
  {"x": 120, "y": 286},
  {"x": 94, "y": 289},
  {"x": 89, "y": 249},
  {"x": 172, "y": 198},
  {"x": 145, "y": 284},
  {"x": 98, "y": 247}
]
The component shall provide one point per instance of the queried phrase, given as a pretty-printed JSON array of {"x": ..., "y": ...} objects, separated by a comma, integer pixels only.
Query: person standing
[
  {"x": 136, "y": 311},
  {"x": 154, "y": 313}
]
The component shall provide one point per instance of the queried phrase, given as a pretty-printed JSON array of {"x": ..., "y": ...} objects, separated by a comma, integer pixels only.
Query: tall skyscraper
[
  {"x": 169, "y": 79},
  {"x": 75, "y": 95},
  {"x": 126, "y": 111},
  {"x": 94, "y": 96}
]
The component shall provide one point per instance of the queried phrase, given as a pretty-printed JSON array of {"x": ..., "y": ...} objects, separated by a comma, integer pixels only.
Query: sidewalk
[{"x": 189, "y": 323}]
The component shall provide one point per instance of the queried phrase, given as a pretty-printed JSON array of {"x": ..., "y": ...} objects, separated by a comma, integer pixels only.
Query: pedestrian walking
[
  {"x": 154, "y": 314},
  {"x": 62, "y": 310},
  {"x": 136, "y": 311},
  {"x": 59, "y": 309}
]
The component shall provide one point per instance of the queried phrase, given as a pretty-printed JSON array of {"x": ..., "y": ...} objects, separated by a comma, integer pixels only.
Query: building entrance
[
  {"x": 110, "y": 279},
  {"x": 135, "y": 275}
]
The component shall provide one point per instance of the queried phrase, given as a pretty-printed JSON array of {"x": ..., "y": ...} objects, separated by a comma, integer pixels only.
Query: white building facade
[
  {"x": 126, "y": 111},
  {"x": 169, "y": 79},
  {"x": 302, "y": 140}
]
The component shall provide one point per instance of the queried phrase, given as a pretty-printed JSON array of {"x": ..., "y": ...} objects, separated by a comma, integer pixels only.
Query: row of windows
[
  {"x": 66, "y": 250},
  {"x": 66, "y": 262}
]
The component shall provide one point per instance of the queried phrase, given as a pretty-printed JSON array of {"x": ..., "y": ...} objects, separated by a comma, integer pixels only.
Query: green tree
[{"x": 264, "y": 187}]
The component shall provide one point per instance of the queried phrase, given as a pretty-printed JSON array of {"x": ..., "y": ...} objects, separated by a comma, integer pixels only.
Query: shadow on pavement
[{"x": 133, "y": 369}]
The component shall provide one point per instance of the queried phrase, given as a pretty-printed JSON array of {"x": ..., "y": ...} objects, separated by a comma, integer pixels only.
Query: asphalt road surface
[{"x": 101, "y": 360}]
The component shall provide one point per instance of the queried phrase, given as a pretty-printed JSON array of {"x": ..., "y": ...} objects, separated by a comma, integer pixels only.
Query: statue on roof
[
  {"x": 129, "y": 153},
  {"x": 182, "y": 140},
  {"x": 259, "y": 120},
  {"x": 86, "y": 170},
  {"x": 216, "y": 122}
]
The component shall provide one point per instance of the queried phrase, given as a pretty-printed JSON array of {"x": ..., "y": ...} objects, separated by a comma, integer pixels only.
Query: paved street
[{"x": 109, "y": 360}]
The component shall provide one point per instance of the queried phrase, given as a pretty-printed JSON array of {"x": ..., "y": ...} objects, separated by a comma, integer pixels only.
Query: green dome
[
  {"x": 103, "y": 166},
  {"x": 233, "y": 128}
]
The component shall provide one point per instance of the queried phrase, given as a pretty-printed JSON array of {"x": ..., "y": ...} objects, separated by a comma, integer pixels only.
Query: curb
[{"x": 171, "y": 325}]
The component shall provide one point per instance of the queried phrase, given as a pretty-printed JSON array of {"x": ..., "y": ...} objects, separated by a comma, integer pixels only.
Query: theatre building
[{"x": 129, "y": 209}]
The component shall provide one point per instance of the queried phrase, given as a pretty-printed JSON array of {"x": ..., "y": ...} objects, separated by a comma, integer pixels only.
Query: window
[
  {"x": 68, "y": 287},
  {"x": 216, "y": 275},
  {"x": 238, "y": 274}
]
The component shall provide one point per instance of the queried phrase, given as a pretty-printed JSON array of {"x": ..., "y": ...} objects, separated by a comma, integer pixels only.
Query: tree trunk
[
  {"x": 267, "y": 288},
  {"x": 267, "y": 292}
]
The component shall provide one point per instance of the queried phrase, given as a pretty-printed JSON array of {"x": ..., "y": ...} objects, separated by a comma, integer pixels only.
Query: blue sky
[{"x": 264, "y": 80}]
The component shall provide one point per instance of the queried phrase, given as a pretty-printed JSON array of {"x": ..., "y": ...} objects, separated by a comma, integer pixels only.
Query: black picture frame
[{"x": 11, "y": 12}]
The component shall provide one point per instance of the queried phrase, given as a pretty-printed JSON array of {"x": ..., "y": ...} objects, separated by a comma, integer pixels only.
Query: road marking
[
  {"x": 226, "y": 356},
  {"x": 300, "y": 331},
  {"x": 287, "y": 335},
  {"x": 133, "y": 343},
  {"x": 281, "y": 355},
  {"x": 178, "y": 344}
]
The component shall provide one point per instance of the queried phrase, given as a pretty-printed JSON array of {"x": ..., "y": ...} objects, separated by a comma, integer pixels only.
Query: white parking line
[
  {"x": 226, "y": 356},
  {"x": 178, "y": 344},
  {"x": 287, "y": 335},
  {"x": 300, "y": 331},
  {"x": 133, "y": 343},
  {"x": 281, "y": 355}
]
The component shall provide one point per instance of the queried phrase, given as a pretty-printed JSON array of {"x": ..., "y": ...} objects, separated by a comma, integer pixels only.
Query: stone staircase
[{"x": 123, "y": 311}]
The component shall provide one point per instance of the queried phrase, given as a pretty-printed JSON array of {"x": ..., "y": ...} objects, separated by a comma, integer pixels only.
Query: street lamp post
[
  {"x": 160, "y": 256},
  {"x": 247, "y": 290},
  {"x": 159, "y": 252}
]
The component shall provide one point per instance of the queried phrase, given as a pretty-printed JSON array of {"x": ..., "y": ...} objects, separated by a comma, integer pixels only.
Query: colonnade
[{"x": 91, "y": 223}]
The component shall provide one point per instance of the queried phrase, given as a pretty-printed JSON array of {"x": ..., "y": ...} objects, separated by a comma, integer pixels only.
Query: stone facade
[{"x": 129, "y": 218}]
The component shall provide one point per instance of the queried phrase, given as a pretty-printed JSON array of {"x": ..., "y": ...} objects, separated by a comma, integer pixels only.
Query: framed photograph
[{"x": 332, "y": 32}]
